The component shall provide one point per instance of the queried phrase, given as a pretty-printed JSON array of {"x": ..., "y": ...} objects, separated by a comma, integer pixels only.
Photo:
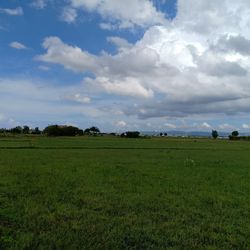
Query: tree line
[
  {"x": 65, "y": 130},
  {"x": 21, "y": 130},
  {"x": 51, "y": 130}
]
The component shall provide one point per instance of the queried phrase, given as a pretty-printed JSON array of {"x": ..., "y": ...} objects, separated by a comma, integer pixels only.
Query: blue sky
[{"x": 141, "y": 65}]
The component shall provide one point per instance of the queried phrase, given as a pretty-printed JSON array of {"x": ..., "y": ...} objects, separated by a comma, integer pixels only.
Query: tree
[
  {"x": 131, "y": 134},
  {"x": 56, "y": 130},
  {"x": 26, "y": 130},
  {"x": 92, "y": 131},
  {"x": 80, "y": 132},
  {"x": 215, "y": 134},
  {"x": 3, "y": 130},
  {"x": 37, "y": 131},
  {"x": 123, "y": 135},
  {"x": 16, "y": 130},
  {"x": 235, "y": 133}
]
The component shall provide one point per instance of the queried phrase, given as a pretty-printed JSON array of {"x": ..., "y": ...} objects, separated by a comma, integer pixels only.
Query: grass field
[{"x": 114, "y": 193}]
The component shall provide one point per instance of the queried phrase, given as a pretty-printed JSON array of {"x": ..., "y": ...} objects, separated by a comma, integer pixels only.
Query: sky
[{"x": 148, "y": 65}]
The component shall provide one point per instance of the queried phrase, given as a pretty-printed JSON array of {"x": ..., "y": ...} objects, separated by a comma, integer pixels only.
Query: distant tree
[
  {"x": 26, "y": 130},
  {"x": 235, "y": 133},
  {"x": 215, "y": 134},
  {"x": 132, "y": 134},
  {"x": 161, "y": 134},
  {"x": 95, "y": 130},
  {"x": 69, "y": 131},
  {"x": 80, "y": 132},
  {"x": 37, "y": 131},
  {"x": 16, "y": 130},
  {"x": 56, "y": 130},
  {"x": 92, "y": 131},
  {"x": 3, "y": 130},
  {"x": 165, "y": 134}
]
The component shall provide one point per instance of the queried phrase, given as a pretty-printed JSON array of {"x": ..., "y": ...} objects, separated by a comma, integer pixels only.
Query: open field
[{"x": 114, "y": 193}]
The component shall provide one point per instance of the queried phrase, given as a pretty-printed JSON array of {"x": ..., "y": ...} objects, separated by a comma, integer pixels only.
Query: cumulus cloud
[
  {"x": 124, "y": 87},
  {"x": 119, "y": 42},
  {"x": 196, "y": 64},
  {"x": 12, "y": 12},
  {"x": 121, "y": 124},
  {"x": 76, "y": 59},
  {"x": 39, "y": 4},
  {"x": 17, "y": 45},
  {"x": 70, "y": 57},
  {"x": 69, "y": 15},
  {"x": 206, "y": 125},
  {"x": 246, "y": 126},
  {"x": 123, "y": 14},
  {"x": 235, "y": 43},
  {"x": 78, "y": 98},
  {"x": 107, "y": 26}
]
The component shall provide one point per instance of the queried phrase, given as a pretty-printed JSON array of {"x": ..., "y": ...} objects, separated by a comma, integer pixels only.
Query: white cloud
[
  {"x": 69, "y": 15},
  {"x": 196, "y": 65},
  {"x": 205, "y": 125},
  {"x": 75, "y": 59},
  {"x": 246, "y": 126},
  {"x": 70, "y": 57},
  {"x": 78, "y": 98},
  {"x": 17, "y": 45},
  {"x": 38, "y": 4},
  {"x": 121, "y": 124},
  {"x": 226, "y": 126},
  {"x": 12, "y": 12},
  {"x": 107, "y": 26},
  {"x": 123, "y": 14},
  {"x": 125, "y": 87},
  {"x": 119, "y": 42}
]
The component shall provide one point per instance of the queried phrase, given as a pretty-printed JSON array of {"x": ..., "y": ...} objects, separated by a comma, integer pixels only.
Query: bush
[
  {"x": 56, "y": 130},
  {"x": 131, "y": 134}
]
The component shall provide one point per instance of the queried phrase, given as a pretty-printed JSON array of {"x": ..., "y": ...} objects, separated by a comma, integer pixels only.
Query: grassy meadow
[{"x": 119, "y": 193}]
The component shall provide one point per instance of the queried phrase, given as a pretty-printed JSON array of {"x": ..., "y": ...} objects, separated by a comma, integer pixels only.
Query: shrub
[
  {"x": 131, "y": 134},
  {"x": 56, "y": 130}
]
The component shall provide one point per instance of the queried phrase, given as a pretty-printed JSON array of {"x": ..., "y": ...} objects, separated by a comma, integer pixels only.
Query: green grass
[{"x": 114, "y": 193}]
